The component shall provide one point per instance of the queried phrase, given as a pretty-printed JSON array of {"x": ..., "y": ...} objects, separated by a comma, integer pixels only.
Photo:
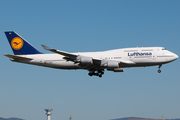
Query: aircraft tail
[{"x": 19, "y": 45}]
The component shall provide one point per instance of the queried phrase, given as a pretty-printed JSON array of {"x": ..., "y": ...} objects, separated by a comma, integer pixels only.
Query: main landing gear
[
  {"x": 159, "y": 71},
  {"x": 96, "y": 73}
]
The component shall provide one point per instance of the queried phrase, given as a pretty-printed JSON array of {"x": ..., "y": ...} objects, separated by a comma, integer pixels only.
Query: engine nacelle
[
  {"x": 84, "y": 60},
  {"x": 110, "y": 64},
  {"x": 117, "y": 69}
]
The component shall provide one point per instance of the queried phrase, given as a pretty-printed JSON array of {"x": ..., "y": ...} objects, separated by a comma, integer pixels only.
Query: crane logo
[{"x": 17, "y": 43}]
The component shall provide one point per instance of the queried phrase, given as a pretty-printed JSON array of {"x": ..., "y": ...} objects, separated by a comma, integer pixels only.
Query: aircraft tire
[{"x": 90, "y": 74}]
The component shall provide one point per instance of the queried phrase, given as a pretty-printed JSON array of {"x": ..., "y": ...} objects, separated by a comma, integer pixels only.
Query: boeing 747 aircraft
[{"x": 95, "y": 62}]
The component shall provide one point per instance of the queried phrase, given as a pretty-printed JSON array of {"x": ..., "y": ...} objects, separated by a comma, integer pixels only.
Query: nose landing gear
[{"x": 159, "y": 71}]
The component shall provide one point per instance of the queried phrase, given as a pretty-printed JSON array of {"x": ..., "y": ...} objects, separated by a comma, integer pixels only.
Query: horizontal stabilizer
[{"x": 17, "y": 57}]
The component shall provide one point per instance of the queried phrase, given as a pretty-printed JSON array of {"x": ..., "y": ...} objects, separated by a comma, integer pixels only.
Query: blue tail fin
[{"x": 19, "y": 45}]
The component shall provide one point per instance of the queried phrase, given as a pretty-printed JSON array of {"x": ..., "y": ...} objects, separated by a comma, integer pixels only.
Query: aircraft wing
[
  {"x": 66, "y": 54},
  {"x": 73, "y": 56},
  {"x": 126, "y": 61},
  {"x": 16, "y": 57}
]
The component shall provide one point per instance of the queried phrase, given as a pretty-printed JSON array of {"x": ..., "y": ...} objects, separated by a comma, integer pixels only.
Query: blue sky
[{"x": 75, "y": 26}]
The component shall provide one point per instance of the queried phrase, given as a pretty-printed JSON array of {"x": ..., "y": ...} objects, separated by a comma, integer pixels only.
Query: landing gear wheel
[
  {"x": 90, "y": 74},
  {"x": 96, "y": 73},
  {"x": 159, "y": 71}
]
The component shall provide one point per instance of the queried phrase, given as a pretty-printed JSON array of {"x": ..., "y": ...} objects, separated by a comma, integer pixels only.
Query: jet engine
[
  {"x": 110, "y": 64},
  {"x": 84, "y": 60}
]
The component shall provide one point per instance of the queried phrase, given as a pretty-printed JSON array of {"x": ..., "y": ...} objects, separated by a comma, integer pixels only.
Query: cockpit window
[{"x": 164, "y": 49}]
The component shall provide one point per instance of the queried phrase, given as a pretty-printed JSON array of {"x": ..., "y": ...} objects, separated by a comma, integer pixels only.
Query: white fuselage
[{"x": 145, "y": 56}]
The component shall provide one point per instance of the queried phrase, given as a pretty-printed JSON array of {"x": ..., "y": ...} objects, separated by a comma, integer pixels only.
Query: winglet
[
  {"x": 46, "y": 47},
  {"x": 49, "y": 49}
]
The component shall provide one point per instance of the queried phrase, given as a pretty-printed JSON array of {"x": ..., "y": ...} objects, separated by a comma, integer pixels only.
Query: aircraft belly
[
  {"x": 61, "y": 64},
  {"x": 142, "y": 64}
]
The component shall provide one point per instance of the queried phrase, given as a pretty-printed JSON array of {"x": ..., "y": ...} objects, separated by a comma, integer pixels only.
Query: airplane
[{"x": 95, "y": 62}]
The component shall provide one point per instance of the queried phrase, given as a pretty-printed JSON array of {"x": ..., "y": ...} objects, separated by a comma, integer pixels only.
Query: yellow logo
[{"x": 17, "y": 43}]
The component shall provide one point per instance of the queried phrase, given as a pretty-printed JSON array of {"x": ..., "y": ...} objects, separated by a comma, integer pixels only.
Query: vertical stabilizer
[{"x": 19, "y": 45}]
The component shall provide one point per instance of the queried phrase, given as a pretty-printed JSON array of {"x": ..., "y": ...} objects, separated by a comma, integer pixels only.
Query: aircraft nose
[{"x": 175, "y": 56}]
